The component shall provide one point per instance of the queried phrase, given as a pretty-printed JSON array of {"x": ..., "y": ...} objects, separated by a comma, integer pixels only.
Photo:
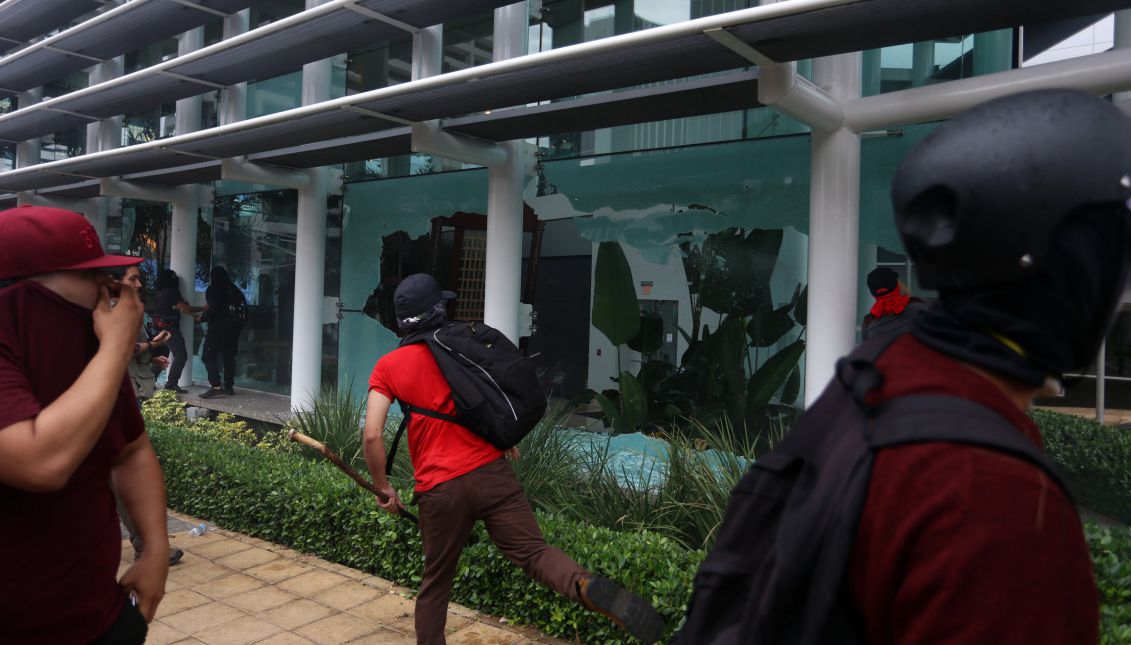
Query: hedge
[
  {"x": 1094, "y": 459},
  {"x": 310, "y": 506}
]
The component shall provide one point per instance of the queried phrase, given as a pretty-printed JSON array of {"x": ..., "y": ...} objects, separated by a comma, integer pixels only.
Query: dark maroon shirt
[
  {"x": 59, "y": 551},
  {"x": 963, "y": 545}
]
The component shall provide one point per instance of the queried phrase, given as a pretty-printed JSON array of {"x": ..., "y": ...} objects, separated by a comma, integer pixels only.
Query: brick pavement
[{"x": 232, "y": 589}]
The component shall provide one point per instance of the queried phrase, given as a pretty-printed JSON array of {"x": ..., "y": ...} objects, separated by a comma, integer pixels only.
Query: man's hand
[
  {"x": 160, "y": 339},
  {"x": 146, "y": 579},
  {"x": 116, "y": 326},
  {"x": 161, "y": 361},
  {"x": 393, "y": 505},
  {"x": 511, "y": 453}
]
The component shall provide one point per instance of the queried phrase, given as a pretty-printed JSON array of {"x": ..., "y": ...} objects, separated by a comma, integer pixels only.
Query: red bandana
[{"x": 889, "y": 304}]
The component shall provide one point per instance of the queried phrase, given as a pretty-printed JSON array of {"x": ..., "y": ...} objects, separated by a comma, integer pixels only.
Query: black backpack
[
  {"x": 237, "y": 305},
  {"x": 776, "y": 573},
  {"x": 494, "y": 387}
]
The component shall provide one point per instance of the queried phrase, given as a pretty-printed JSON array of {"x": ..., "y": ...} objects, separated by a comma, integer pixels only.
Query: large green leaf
[
  {"x": 616, "y": 311},
  {"x": 613, "y": 417},
  {"x": 634, "y": 402},
  {"x": 792, "y": 387},
  {"x": 736, "y": 269},
  {"x": 772, "y": 375},
  {"x": 801, "y": 311},
  {"x": 767, "y": 326}
]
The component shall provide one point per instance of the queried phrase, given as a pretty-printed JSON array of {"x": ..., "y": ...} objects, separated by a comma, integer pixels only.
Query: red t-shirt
[
  {"x": 959, "y": 544},
  {"x": 59, "y": 551},
  {"x": 440, "y": 450}
]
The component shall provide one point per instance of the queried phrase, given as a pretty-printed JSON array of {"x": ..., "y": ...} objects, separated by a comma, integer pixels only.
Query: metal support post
[
  {"x": 834, "y": 231},
  {"x": 504, "y": 197}
]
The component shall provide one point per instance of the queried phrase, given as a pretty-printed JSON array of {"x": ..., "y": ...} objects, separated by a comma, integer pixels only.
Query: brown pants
[{"x": 448, "y": 512}]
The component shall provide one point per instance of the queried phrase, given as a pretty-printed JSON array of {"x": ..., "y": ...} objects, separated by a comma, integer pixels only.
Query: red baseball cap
[{"x": 39, "y": 239}]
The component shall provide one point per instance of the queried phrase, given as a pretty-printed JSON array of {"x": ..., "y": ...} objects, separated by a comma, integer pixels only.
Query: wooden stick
[{"x": 320, "y": 447}]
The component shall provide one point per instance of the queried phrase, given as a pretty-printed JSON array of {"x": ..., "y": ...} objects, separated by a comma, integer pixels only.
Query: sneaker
[
  {"x": 230, "y": 391},
  {"x": 211, "y": 393},
  {"x": 630, "y": 612},
  {"x": 178, "y": 390},
  {"x": 175, "y": 555}
]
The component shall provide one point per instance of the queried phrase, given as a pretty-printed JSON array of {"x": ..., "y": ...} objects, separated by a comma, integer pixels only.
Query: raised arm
[{"x": 41, "y": 453}]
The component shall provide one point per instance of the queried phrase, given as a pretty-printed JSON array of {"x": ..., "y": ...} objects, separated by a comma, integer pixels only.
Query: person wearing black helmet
[
  {"x": 912, "y": 502},
  {"x": 1017, "y": 213}
]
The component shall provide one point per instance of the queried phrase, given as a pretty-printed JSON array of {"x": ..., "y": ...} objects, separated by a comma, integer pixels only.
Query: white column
[
  {"x": 188, "y": 110},
  {"x": 182, "y": 236},
  {"x": 310, "y": 257},
  {"x": 233, "y": 100},
  {"x": 182, "y": 260},
  {"x": 28, "y": 152},
  {"x": 834, "y": 231},
  {"x": 504, "y": 197},
  {"x": 1122, "y": 41},
  {"x": 107, "y": 133},
  {"x": 427, "y": 52}
]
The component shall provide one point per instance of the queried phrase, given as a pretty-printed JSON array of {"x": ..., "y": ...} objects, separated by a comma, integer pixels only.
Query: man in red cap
[{"x": 71, "y": 436}]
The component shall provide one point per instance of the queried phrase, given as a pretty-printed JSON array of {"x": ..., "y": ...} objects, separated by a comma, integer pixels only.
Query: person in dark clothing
[
  {"x": 1018, "y": 212},
  {"x": 222, "y": 339},
  {"x": 894, "y": 308},
  {"x": 167, "y": 316}
]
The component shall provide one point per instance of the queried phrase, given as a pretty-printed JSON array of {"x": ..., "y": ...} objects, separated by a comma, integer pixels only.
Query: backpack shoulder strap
[{"x": 922, "y": 418}]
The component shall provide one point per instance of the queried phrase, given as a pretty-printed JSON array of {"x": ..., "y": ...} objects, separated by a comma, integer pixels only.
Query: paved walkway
[{"x": 231, "y": 589}]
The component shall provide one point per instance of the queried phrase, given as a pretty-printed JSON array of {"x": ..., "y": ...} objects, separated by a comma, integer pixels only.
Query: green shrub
[
  {"x": 1111, "y": 557},
  {"x": 310, "y": 506},
  {"x": 1094, "y": 459}
]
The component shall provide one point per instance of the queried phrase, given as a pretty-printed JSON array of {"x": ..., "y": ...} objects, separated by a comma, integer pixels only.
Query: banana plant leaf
[
  {"x": 773, "y": 374},
  {"x": 801, "y": 311},
  {"x": 634, "y": 403},
  {"x": 616, "y": 311},
  {"x": 767, "y": 326},
  {"x": 735, "y": 270},
  {"x": 792, "y": 387}
]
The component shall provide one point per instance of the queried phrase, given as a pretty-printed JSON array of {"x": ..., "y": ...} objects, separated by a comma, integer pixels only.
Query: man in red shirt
[
  {"x": 1017, "y": 213},
  {"x": 461, "y": 478},
  {"x": 70, "y": 430}
]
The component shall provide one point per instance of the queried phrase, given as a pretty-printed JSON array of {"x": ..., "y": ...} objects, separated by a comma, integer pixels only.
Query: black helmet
[{"x": 978, "y": 200}]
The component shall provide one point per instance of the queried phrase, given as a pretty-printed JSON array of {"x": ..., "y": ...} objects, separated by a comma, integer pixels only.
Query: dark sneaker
[
  {"x": 630, "y": 612},
  {"x": 211, "y": 393},
  {"x": 175, "y": 555},
  {"x": 178, "y": 390},
  {"x": 230, "y": 391}
]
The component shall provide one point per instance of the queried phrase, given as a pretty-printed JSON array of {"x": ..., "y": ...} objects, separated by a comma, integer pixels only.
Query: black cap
[
  {"x": 416, "y": 297},
  {"x": 882, "y": 280}
]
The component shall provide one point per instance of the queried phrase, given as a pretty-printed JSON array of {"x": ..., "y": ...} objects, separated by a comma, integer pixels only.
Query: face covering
[{"x": 1050, "y": 324}]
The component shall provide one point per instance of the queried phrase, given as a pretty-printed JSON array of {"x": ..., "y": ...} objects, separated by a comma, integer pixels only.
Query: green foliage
[
  {"x": 334, "y": 419},
  {"x": 616, "y": 311},
  {"x": 1094, "y": 459},
  {"x": 719, "y": 377},
  {"x": 308, "y": 505},
  {"x": 682, "y": 494},
  {"x": 1111, "y": 559},
  {"x": 164, "y": 408}
]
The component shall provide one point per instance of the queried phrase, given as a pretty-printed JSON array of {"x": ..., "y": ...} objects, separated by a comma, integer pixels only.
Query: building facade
[{"x": 659, "y": 201}]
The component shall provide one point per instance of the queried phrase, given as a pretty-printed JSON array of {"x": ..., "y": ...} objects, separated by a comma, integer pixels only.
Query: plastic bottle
[{"x": 199, "y": 529}]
